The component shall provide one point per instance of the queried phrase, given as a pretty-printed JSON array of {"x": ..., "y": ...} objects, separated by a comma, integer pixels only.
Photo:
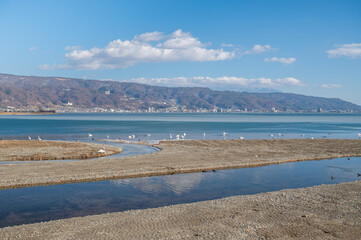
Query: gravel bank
[
  {"x": 322, "y": 212},
  {"x": 178, "y": 157}
]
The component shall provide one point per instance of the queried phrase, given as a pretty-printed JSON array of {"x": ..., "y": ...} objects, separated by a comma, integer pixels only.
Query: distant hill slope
[{"x": 31, "y": 91}]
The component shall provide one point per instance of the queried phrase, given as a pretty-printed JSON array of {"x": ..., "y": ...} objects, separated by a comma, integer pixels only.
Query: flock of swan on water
[
  {"x": 183, "y": 136},
  {"x": 223, "y": 134}
]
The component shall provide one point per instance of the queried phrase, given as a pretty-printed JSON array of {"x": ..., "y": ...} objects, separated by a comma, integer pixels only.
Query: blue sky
[{"x": 306, "y": 47}]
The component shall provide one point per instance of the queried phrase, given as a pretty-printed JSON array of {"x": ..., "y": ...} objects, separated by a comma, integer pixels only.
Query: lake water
[
  {"x": 27, "y": 205},
  {"x": 35, "y": 204},
  {"x": 76, "y": 126}
]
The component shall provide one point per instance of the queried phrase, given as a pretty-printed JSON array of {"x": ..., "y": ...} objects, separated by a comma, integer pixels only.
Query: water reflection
[
  {"x": 28, "y": 205},
  {"x": 262, "y": 175},
  {"x": 178, "y": 184}
]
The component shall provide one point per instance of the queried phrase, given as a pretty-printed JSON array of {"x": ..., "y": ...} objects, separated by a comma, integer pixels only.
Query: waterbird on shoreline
[
  {"x": 170, "y": 136},
  {"x": 90, "y": 135},
  {"x": 358, "y": 175},
  {"x": 39, "y": 138},
  {"x": 332, "y": 177},
  {"x": 29, "y": 138},
  {"x": 241, "y": 138},
  {"x": 101, "y": 151}
]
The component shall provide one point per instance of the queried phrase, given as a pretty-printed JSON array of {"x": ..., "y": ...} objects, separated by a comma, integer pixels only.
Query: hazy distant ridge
[{"x": 32, "y": 91}]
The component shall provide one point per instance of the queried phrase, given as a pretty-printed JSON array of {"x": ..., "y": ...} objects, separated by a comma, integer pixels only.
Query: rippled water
[
  {"x": 76, "y": 126},
  {"x": 35, "y": 204},
  {"x": 27, "y": 205}
]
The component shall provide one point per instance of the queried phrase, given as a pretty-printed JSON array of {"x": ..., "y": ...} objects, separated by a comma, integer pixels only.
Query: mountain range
[{"x": 54, "y": 92}]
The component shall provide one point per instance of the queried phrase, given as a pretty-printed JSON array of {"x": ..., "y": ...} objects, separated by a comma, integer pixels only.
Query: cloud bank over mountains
[
  {"x": 330, "y": 86},
  {"x": 222, "y": 83},
  {"x": 149, "y": 48}
]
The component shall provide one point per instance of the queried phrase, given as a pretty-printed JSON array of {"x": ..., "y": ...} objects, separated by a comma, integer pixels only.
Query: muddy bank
[
  {"x": 179, "y": 157},
  {"x": 322, "y": 212},
  {"x": 20, "y": 150}
]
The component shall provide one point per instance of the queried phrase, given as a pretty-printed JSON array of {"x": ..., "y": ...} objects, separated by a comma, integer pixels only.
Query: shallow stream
[{"x": 44, "y": 203}]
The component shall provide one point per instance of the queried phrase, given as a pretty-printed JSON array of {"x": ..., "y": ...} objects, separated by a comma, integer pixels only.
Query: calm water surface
[
  {"x": 76, "y": 126},
  {"x": 35, "y": 204}
]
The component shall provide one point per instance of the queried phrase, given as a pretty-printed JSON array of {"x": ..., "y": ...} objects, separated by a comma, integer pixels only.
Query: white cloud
[
  {"x": 46, "y": 67},
  {"x": 33, "y": 48},
  {"x": 330, "y": 86},
  {"x": 221, "y": 83},
  {"x": 283, "y": 60},
  {"x": 227, "y": 45},
  {"x": 151, "y": 36},
  {"x": 147, "y": 47},
  {"x": 259, "y": 49},
  {"x": 352, "y": 50},
  {"x": 71, "y": 48}
]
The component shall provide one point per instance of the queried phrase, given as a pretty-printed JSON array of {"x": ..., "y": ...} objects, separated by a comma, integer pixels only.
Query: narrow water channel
[{"x": 36, "y": 204}]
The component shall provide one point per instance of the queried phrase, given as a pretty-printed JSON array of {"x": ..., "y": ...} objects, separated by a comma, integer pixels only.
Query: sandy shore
[
  {"x": 322, "y": 212},
  {"x": 20, "y": 150},
  {"x": 178, "y": 157}
]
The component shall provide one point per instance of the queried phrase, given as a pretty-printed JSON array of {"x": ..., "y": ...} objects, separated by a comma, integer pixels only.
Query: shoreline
[
  {"x": 27, "y": 113},
  {"x": 153, "y": 174},
  {"x": 37, "y": 151},
  {"x": 320, "y": 212},
  {"x": 179, "y": 157}
]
